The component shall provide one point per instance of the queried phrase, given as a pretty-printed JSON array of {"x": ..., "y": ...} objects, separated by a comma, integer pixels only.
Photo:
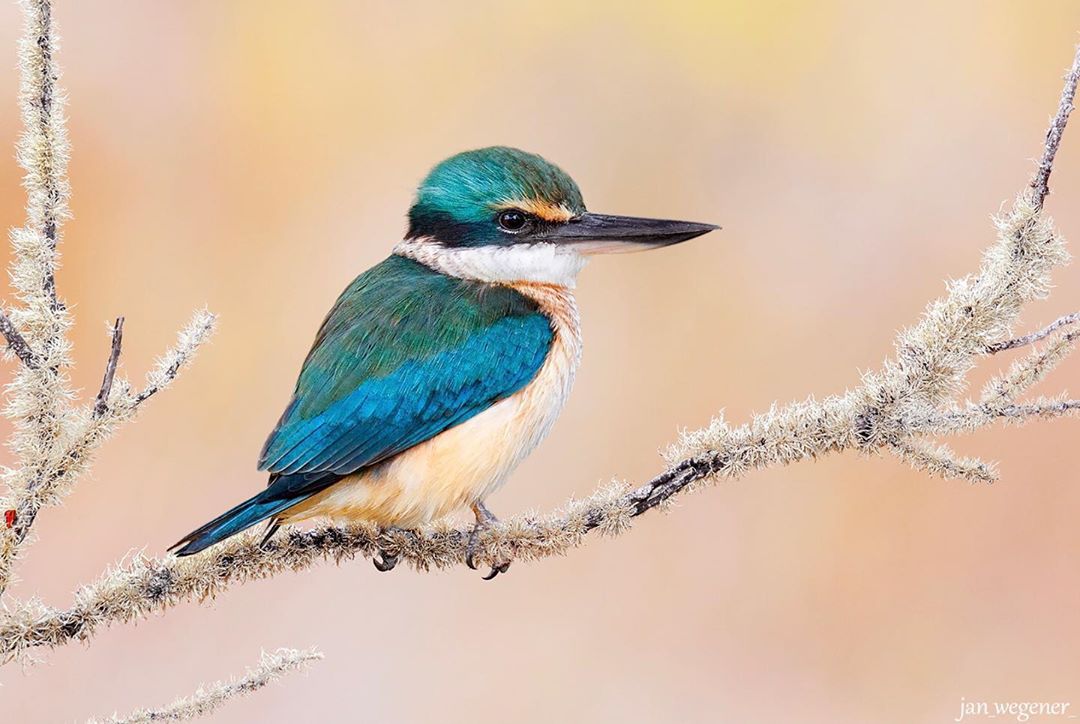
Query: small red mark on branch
[{"x": 10, "y": 516}]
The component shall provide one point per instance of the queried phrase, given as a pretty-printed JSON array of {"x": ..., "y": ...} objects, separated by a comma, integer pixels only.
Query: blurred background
[{"x": 254, "y": 157}]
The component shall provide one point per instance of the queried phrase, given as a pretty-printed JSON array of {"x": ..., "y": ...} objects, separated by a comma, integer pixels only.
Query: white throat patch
[{"x": 541, "y": 263}]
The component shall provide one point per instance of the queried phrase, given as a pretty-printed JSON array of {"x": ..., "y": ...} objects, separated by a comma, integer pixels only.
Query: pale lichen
[{"x": 209, "y": 697}]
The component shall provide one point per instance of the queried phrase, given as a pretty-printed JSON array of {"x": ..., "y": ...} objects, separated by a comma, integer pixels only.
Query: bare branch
[
  {"x": 17, "y": 343},
  {"x": 1040, "y": 183},
  {"x": 101, "y": 405},
  {"x": 207, "y": 699},
  {"x": 1034, "y": 336}
]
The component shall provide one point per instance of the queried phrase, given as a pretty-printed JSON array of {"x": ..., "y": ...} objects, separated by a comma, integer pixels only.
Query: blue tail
[{"x": 251, "y": 511}]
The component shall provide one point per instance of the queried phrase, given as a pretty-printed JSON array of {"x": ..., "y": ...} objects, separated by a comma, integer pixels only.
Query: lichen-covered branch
[
  {"x": 898, "y": 409},
  {"x": 17, "y": 344},
  {"x": 208, "y": 698},
  {"x": 942, "y": 461},
  {"x": 38, "y": 392},
  {"x": 54, "y": 438},
  {"x": 169, "y": 365},
  {"x": 43, "y": 154},
  {"x": 1040, "y": 183},
  {"x": 901, "y": 409},
  {"x": 59, "y": 461},
  {"x": 1035, "y": 336}
]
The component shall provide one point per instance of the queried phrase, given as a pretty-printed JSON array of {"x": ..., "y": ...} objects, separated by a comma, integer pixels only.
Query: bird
[{"x": 442, "y": 367}]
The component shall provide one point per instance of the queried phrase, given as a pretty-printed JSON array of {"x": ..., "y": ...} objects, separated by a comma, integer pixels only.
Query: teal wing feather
[{"x": 405, "y": 354}]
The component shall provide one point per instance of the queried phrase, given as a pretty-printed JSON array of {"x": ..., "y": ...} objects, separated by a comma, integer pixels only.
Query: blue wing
[
  {"x": 400, "y": 360},
  {"x": 386, "y": 415}
]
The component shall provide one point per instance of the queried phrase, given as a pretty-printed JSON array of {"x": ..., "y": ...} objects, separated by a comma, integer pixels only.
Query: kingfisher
[{"x": 438, "y": 370}]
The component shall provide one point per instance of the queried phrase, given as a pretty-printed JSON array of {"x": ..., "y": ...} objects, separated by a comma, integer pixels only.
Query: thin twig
[
  {"x": 207, "y": 699},
  {"x": 1027, "y": 410},
  {"x": 1038, "y": 409},
  {"x": 190, "y": 338},
  {"x": 1034, "y": 336},
  {"x": 975, "y": 415},
  {"x": 18, "y": 343},
  {"x": 101, "y": 405},
  {"x": 942, "y": 461},
  {"x": 1040, "y": 183}
]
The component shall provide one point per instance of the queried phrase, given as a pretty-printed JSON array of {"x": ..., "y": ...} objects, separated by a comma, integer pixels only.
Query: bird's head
[{"x": 500, "y": 214}]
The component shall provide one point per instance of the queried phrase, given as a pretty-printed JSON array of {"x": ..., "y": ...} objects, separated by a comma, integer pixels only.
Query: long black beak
[{"x": 604, "y": 234}]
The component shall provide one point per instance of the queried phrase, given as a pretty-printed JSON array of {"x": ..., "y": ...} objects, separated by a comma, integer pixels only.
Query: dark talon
[
  {"x": 385, "y": 562},
  {"x": 470, "y": 548},
  {"x": 496, "y": 570}
]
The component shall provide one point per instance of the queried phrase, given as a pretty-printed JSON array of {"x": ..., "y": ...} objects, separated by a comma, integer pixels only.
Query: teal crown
[{"x": 459, "y": 201}]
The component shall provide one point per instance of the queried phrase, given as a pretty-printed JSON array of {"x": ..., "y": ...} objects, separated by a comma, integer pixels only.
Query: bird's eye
[{"x": 513, "y": 220}]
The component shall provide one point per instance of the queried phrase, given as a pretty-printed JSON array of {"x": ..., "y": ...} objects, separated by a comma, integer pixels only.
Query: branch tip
[
  {"x": 1034, "y": 336},
  {"x": 1040, "y": 183},
  {"x": 208, "y": 698}
]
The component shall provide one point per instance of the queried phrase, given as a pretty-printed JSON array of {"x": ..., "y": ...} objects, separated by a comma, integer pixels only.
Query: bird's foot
[
  {"x": 484, "y": 520},
  {"x": 271, "y": 528},
  {"x": 385, "y": 561}
]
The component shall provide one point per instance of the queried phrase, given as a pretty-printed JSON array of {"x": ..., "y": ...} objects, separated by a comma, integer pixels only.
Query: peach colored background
[{"x": 255, "y": 156}]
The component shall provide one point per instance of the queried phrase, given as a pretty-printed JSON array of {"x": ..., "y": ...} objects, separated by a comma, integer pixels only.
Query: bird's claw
[
  {"x": 484, "y": 520},
  {"x": 470, "y": 561},
  {"x": 385, "y": 562},
  {"x": 497, "y": 569}
]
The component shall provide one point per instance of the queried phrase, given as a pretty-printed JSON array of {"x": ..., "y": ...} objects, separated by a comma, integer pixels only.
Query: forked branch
[
  {"x": 900, "y": 409},
  {"x": 54, "y": 440},
  {"x": 1035, "y": 336},
  {"x": 897, "y": 409}
]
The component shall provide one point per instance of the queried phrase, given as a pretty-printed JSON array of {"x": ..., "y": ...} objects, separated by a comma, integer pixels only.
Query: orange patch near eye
[{"x": 541, "y": 209}]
